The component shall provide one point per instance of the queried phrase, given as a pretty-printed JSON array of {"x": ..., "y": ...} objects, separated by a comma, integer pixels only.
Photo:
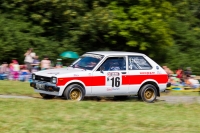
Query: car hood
[{"x": 59, "y": 71}]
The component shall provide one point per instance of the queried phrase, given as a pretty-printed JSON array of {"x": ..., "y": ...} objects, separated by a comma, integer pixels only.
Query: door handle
[{"x": 123, "y": 72}]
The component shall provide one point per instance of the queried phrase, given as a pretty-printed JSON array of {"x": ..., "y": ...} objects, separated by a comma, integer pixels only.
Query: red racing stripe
[
  {"x": 126, "y": 79},
  {"x": 138, "y": 79},
  {"x": 88, "y": 81}
]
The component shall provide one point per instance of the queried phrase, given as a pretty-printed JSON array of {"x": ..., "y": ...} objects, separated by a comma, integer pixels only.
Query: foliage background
[{"x": 166, "y": 30}]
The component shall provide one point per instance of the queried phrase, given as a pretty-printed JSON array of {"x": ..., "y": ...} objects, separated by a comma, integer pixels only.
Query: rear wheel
[
  {"x": 46, "y": 96},
  {"x": 148, "y": 93},
  {"x": 74, "y": 92}
]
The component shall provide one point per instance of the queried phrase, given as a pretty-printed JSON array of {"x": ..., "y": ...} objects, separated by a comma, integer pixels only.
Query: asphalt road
[{"x": 167, "y": 99}]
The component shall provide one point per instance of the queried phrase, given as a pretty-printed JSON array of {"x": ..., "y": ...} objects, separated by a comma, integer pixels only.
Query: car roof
[{"x": 114, "y": 53}]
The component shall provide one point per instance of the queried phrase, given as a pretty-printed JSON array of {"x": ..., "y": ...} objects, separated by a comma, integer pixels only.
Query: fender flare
[
  {"x": 74, "y": 81},
  {"x": 150, "y": 82}
]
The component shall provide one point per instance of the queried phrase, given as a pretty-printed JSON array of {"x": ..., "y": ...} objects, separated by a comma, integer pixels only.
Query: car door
[{"x": 113, "y": 69}]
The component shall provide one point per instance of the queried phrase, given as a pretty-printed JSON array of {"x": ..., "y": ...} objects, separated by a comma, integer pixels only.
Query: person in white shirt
[{"x": 29, "y": 57}]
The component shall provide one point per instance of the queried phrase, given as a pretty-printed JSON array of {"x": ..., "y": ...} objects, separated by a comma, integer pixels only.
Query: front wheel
[
  {"x": 74, "y": 92},
  {"x": 148, "y": 93},
  {"x": 46, "y": 96}
]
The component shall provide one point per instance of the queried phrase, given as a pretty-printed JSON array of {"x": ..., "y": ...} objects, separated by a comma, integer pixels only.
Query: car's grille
[{"x": 42, "y": 78}]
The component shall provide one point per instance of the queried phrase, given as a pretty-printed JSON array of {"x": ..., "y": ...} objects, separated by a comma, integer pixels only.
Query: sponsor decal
[
  {"x": 157, "y": 67},
  {"x": 76, "y": 75},
  {"x": 113, "y": 74},
  {"x": 147, "y": 73},
  {"x": 158, "y": 72},
  {"x": 113, "y": 89}
]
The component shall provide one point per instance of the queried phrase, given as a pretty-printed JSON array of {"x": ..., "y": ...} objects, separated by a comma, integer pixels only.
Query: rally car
[{"x": 103, "y": 73}]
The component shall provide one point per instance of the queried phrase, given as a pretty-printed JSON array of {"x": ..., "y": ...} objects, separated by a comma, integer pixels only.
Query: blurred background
[{"x": 166, "y": 30}]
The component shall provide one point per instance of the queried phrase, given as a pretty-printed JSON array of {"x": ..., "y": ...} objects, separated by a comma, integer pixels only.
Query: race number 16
[{"x": 115, "y": 82}]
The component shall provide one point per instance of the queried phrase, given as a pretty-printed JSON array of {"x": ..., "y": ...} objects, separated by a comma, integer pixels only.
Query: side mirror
[{"x": 101, "y": 69}]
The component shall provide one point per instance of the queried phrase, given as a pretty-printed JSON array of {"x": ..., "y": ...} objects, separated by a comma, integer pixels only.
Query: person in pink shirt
[{"x": 15, "y": 69}]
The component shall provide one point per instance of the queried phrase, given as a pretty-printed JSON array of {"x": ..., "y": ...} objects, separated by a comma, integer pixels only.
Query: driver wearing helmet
[{"x": 114, "y": 65}]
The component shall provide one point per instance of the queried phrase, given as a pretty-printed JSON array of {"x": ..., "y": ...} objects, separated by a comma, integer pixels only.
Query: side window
[
  {"x": 138, "y": 63},
  {"x": 114, "y": 64}
]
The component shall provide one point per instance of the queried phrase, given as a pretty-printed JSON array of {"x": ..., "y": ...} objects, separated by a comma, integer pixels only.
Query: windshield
[{"x": 87, "y": 61}]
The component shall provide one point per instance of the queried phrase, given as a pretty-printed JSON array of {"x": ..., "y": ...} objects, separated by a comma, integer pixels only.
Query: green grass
[
  {"x": 50, "y": 116},
  {"x": 16, "y": 88},
  {"x": 57, "y": 115}
]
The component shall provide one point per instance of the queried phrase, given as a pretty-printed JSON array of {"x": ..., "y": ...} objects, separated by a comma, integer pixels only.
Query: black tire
[
  {"x": 46, "y": 96},
  {"x": 148, "y": 93},
  {"x": 74, "y": 92},
  {"x": 139, "y": 95}
]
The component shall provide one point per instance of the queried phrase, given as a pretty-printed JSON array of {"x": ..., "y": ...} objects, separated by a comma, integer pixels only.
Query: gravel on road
[{"x": 167, "y": 99}]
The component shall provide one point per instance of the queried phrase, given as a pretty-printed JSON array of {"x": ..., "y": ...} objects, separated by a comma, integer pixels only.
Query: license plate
[{"x": 40, "y": 86}]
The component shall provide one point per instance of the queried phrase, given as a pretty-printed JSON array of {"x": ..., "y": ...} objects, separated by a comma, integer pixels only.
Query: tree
[
  {"x": 184, "y": 53},
  {"x": 17, "y": 36},
  {"x": 141, "y": 25}
]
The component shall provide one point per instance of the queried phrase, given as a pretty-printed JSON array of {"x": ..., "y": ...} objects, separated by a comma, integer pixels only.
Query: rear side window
[{"x": 138, "y": 63}]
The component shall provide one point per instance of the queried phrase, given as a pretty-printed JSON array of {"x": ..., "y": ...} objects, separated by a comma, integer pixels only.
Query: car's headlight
[
  {"x": 53, "y": 80},
  {"x": 33, "y": 76}
]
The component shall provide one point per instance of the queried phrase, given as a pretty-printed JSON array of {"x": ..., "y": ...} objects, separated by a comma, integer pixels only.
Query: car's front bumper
[{"x": 44, "y": 86}]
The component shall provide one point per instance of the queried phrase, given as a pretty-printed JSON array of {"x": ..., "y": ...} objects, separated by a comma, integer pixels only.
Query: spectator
[
  {"x": 59, "y": 63},
  {"x": 175, "y": 81},
  {"x": 24, "y": 74},
  {"x": 167, "y": 70},
  {"x": 11, "y": 71},
  {"x": 29, "y": 57},
  {"x": 179, "y": 74},
  {"x": 188, "y": 72},
  {"x": 45, "y": 63},
  {"x": 35, "y": 65},
  {"x": 4, "y": 71},
  {"x": 15, "y": 69},
  {"x": 193, "y": 82}
]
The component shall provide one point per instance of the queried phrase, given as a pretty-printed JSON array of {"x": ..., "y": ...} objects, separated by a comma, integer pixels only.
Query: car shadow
[
  {"x": 113, "y": 99},
  {"x": 104, "y": 99}
]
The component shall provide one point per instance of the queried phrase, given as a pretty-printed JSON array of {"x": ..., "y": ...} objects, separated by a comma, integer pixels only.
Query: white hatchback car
[{"x": 103, "y": 73}]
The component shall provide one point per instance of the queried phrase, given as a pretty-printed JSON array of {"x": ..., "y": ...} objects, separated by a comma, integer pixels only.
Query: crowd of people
[
  {"x": 183, "y": 78},
  {"x": 22, "y": 72}
]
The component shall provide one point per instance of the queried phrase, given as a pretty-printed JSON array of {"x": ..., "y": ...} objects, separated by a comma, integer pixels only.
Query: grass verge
[
  {"x": 16, "y": 88},
  {"x": 46, "y": 116},
  {"x": 50, "y": 116}
]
